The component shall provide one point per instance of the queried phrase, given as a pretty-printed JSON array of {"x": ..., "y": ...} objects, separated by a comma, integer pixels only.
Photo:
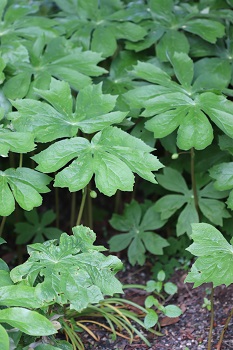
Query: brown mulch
[{"x": 187, "y": 332}]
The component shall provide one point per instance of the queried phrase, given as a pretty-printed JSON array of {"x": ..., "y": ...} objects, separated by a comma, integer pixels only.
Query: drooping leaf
[
  {"x": 18, "y": 142},
  {"x": 22, "y": 185}
]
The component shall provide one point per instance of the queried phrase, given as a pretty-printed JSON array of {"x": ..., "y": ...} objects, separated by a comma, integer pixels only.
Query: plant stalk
[
  {"x": 57, "y": 206},
  {"x": 2, "y": 225},
  {"x": 80, "y": 214},
  {"x": 194, "y": 185},
  {"x": 224, "y": 330},
  {"x": 211, "y": 318},
  {"x": 20, "y": 160},
  {"x": 73, "y": 209},
  {"x": 89, "y": 209},
  {"x": 118, "y": 202}
]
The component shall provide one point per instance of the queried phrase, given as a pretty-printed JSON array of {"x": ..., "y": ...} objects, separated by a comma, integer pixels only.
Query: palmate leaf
[
  {"x": 98, "y": 25},
  {"x": 22, "y": 185},
  {"x": 55, "y": 58},
  {"x": 169, "y": 24},
  {"x": 112, "y": 156},
  {"x": 213, "y": 209},
  {"x": 19, "y": 22},
  {"x": 73, "y": 271},
  {"x": 189, "y": 106},
  {"x": 140, "y": 236},
  {"x": 35, "y": 228},
  {"x": 214, "y": 262},
  {"x": 92, "y": 112}
]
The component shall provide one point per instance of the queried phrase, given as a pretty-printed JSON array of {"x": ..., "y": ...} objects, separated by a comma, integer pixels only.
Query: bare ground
[{"x": 189, "y": 331}]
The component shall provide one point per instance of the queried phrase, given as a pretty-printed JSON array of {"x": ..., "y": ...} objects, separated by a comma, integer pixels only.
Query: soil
[{"x": 187, "y": 332}]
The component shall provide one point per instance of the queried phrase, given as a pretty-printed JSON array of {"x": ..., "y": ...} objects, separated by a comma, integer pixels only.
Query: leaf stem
[
  {"x": 194, "y": 185},
  {"x": 89, "y": 209},
  {"x": 211, "y": 318},
  {"x": 82, "y": 206},
  {"x": 73, "y": 209},
  {"x": 224, "y": 330},
  {"x": 2, "y": 225},
  {"x": 118, "y": 202},
  {"x": 20, "y": 160},
  {"x": 57, "y": 206}
]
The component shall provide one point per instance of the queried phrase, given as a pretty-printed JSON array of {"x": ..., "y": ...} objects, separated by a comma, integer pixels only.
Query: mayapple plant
[{"x": 88, "y": 90}]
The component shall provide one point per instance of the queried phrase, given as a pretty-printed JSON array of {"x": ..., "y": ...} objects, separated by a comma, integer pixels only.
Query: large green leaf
[
  {"x": 183, "y": 68},
  {"x": 207, "y": 29},
  {"x": 112, "y": 156},
  {"x": 4, "y": 339},
  {"x": 214, "y": 262},
  {"x": 72, "y": 271},
  {"x": 18, "y": 142},
  {"x": 92, "y": 112},
  {"x": 26, "y": 185},
  {"x": 219, "y": 110},
  {"x": 139, "y": 237},
  {"x": 5, "y": 279},
  {"x": 99, "y": 25},
  {"x": 21, "y": 22},
  {"x": 188, "y": 106},
  {"x": 27, "y": 321},
  {"x": 212, "y": 73},
  {"x": 51, "y": 58},
  {"x": 170, "y": 22},
  {"x": 223, "y": 174},
  {"x": 172, "y": 41},
  {"x": 19, "y": 295}
]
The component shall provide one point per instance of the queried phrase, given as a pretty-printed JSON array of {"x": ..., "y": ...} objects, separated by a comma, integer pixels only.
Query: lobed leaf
[
  {"x": 92, "y": 112},
  {"x": 214, "y": 262},
  {"x": 109, "y": 157},
  {"x": 139, "y": 237},
  {"x": 72, "y": 271}
]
